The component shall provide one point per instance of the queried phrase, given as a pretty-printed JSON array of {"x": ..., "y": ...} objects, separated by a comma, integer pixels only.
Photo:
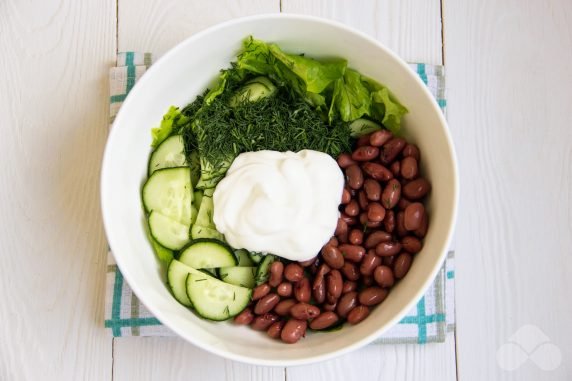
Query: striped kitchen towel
[{"x": 125, "y": 315}]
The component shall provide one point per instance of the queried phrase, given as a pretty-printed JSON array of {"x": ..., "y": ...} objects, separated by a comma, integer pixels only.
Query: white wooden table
[{"x": 509, "y": 75}]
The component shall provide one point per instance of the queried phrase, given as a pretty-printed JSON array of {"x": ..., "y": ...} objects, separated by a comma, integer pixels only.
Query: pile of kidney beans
[{"x": 381, "y": 228}]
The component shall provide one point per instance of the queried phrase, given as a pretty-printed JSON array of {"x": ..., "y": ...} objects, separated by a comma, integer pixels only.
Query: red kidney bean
[
  {"x": 413, "y": 216},
  {"x": 372, "y": 295},
  {"x": 349, "y": 220},
  {"x": 283, "y": 307},
  {"x": 276, "y": 270},
  {"x": 293, "y": 272},
  {"x": 388, "y": 261},
  {"x": 245, "y": 317},
  {"x": 350, "y": 271},
  {"x": 302, "y": 290},
  {"x": 367, "y": 280},
  {"x": 391, "y": 194},
  {"x": 364, "y": 220},
  {"x": 372, "y": 189},
  {"x": 341, "y": 228},
  {"x": 333, "y": 242},
  {"x": 363, "y": 140},
  {"x": 320, "y": 274},
  {"x": 379, "y": 138},
  {"x": 349, "y": 286},
  {"x": 352, "y": 253},
  {"x": 310, "y": 261},
  {"x": 403, "y": 203},
  {"x": 365, "y": 153},
  {"x": 389, "y": 221},
  {"x": 275, "y": 329},
  {"x": 263, "y": 322},
  {"x": 334, "y": 284},
  {"x": 346, "y": 303},
  {"x": 304, "y": 311},
  {"x": 409, "y": 168},
  {"x": 411, "y": 244},
  {"x": 376, "y": 237},
  {"x": 315, "y": 266},
  {"x": 266, "y": 304},
  {"x": 400, "y": 224},
  {"x": 352, "y": 208},
  {"x": 369, "y": 263},
  {"x": 387, "y": 248},
  {"x": 422, "y": 231},
  {"x": 319, "y": 292},
  {"x": 402, "y": 265},
  {"x": 375, "y": 212},
  {"x": 416, "y": 189},
  {"x": 329, "y": 307},
  {"x": 395, "y": 168},
  {"x": 358, "y": 314},
  {"x": 293, "y": 331},
  {"x": 345, "y": 160},
  {"x": 346, "y": 196},
  {"x": 391, "y": 149},
  {"x": 355, "y": 237},
  {"x": 260, "y": 291},
  {"x": 377, "y": 171},
  {"x": 324, "y": 320},
  {"x": 333, "y": 256},
  {"x": 354, "y": 176},
  {"x": 411, "y": 150},
  {"x": 362, "y": 199},
  {"x": 284, "y": 289},
  {"x": 383, "y": 275}
]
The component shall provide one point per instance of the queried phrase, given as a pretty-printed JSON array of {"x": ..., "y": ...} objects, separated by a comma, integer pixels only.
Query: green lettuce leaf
[
  {"x": 171, "y": 121},
  {"x": 351, "y": 98},
  {"x": 387, "y": 109}
]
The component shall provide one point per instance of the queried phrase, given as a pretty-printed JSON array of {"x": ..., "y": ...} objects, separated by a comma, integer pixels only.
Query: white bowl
[{"x": 183, "y": 73}]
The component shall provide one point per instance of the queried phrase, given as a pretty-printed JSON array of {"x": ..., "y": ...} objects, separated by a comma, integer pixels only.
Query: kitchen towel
[{"x": 429, "y": 321}]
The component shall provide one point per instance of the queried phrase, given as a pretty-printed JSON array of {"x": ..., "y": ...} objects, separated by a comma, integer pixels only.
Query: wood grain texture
[
  {"x": 510, "y": 92},
  {"x": 162, "y": 358},
  {"x": 53, "y": 123},
  {"x": 385, "y": 362},
  {"x": 411, "y": 28},
  {"x": 157, "y": 26}
]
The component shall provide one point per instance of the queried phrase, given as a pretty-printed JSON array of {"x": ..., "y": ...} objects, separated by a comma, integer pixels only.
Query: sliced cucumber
[
  {"x": 254, "y": 90},
  {"x": 239, "y": 276},
  {"x": 207, "y": 253},
  {"x": 169, "y": 154},
  {"x": 361, "y": 127},
  {"x": 243, "y": 258},
  {"x": 194, "y": 214},
  {"x": 198, "y": 197},
  {"x": 256, "y": 257},
  {"x": 165, "y": 255},
  {"x": 169, "y": 192},
  {"x": 195, "y": 165},
  {"x": 200, "y": 232},
  {"x": 204, "y": 226},
  {"x": 177, "y": 281},
  {"x": 167, "y": 232},
  {"x": 214, "y": 299},
  {"x": 263, "y": 270}
]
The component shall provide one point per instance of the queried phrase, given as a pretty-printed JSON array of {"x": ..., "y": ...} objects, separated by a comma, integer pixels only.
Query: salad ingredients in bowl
[{"x": 285, "y": 196}]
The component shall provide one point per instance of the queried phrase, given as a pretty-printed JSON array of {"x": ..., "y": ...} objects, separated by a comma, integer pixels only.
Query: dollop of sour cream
[{"x": 283, "y": 203}]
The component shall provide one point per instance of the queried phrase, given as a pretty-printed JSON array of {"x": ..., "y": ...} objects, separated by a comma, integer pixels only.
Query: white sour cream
[{"x": 283, "y": 203}]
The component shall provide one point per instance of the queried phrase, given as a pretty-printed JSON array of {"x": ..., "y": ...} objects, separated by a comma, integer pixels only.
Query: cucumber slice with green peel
[
  {"x": 360, "y": 127},
  {"x": 169, "y": 191},
  {"x": 207, "y": 253},
  {"x": 256, "y": 257},
  {"x": 167, "y": 232},
  {"x": 254, "y": 90},
  {"x": 165, "y": 255},
  {"x": 243, "y": 258},
  {"x": 239, "y": 276},
  {"x": 177, "y": 273},
  {"x": 194, "y": 214},
  {"x": 204, "y": 226},
  {"x": 214, "y": 299},
  {"x": 170, "y": 153},
  {"x": 263, "y": 270},
  {"x": 197, "y": 198},
  {"x": 200, "y": 232}
]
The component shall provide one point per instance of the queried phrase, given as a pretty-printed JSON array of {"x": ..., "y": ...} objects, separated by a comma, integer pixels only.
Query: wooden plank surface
[
  {"x": 510, "y": 95},
  {"x": 53, "y": 120}
]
